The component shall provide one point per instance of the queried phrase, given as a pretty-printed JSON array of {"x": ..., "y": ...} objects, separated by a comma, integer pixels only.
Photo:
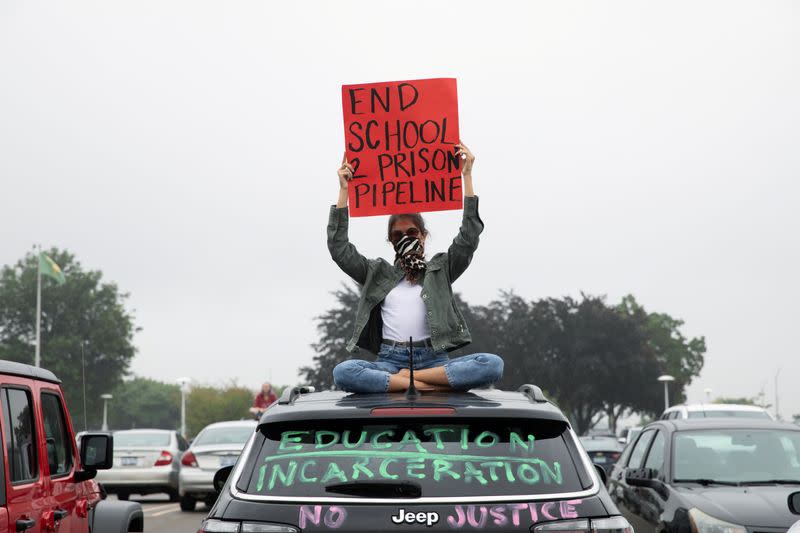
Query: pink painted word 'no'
[
  {"x": 333, "y": 518},
  {"x": 499, "y": 515}
]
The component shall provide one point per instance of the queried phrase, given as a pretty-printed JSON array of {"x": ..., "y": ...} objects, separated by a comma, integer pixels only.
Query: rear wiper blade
[
  {"x": 377, "y": 489},
  {"x": 706, "y": 481},
  {"x": 771, "y": 482}
]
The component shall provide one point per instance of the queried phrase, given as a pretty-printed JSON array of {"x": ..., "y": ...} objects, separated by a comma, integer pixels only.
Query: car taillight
[
  {"x": 164, "y": 459},
  {"x": 612, "y": 524},
  {"x": 189, "y": 459},
  {"x": 223, "y": 526}
]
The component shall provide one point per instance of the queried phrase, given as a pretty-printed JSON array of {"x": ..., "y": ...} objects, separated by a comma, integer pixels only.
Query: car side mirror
[
  {"x": 97, "y": 453},
  {"x": 221, "y": 477},
  {"x": 639, "y": 477},
  {"x": 602, "y": 473},
  {"x": 794, "y": 502}
]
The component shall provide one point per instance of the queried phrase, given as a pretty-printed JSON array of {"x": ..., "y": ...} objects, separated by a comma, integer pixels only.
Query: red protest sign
[{"x": 399, "y": 137}]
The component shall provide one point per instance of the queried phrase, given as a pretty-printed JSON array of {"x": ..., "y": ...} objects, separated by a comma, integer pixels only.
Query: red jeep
[{"x": 45, "y": 485}]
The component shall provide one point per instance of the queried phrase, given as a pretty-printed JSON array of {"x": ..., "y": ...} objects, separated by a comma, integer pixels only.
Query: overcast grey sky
[{"x": 188, "y": 148}]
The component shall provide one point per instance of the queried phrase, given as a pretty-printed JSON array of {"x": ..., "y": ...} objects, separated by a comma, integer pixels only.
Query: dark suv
[{"x": 489, "y": 459}]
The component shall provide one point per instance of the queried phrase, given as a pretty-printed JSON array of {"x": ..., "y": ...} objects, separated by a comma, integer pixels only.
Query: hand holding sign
[
  {"x": 467, "y": 157},
  {"x": 401, "y": 140},
  {"x": 345, "y": 172}
]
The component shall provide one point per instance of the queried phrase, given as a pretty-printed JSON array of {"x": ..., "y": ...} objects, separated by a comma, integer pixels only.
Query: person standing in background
[{"x": 263, "y": 399}]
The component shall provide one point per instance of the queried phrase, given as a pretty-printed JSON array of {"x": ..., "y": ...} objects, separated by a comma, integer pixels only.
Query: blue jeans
[{"x": 463, "y": 373}]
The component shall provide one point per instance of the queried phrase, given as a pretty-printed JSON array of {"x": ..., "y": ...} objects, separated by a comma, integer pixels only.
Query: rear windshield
[
  {"x": 230, "y": 435},
  {"x": 126, "y": 439},
  {"x": 465, "y": 457}
]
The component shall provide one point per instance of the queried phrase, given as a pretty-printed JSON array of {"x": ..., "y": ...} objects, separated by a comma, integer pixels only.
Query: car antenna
[{"x": 412, "y": 393}]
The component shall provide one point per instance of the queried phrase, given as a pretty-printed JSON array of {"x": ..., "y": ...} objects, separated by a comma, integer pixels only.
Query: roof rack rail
[
  {"x": 533, "y": 392},
  {"x": 290, "y": 394}
]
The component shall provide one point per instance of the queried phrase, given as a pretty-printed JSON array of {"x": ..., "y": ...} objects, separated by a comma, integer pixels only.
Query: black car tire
[
  {"x": 188, "y": 503},
  {"x": 123, "y": 496},
  {"x": 173, "y": 495}
]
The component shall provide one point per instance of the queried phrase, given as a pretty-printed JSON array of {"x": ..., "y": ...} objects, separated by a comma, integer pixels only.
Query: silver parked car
[
  {"x": 146, "y": 461},
  {"x": 216, "y": 446}
]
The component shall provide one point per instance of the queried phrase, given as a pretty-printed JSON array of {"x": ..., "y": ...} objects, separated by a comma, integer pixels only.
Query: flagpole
[{"x": 37, "y": 358}]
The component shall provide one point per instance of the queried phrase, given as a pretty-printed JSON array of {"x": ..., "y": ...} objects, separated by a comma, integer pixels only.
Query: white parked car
[
  {"x": 145, "y": 462},
  {"x": 216, "y": 446},
  {"x": 715, "y": 410}
]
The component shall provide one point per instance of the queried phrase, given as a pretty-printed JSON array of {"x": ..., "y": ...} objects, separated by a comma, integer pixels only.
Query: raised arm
[
  {"x": 342, "y": 250},
  {"x": 460, "y": 253}
]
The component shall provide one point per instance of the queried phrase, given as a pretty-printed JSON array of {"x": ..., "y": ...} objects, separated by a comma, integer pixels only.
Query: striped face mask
[{"x": 410, "y": 256}]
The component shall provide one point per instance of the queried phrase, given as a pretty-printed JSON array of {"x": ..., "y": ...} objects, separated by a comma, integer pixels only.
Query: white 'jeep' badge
[{"x": 404, "y": 517}]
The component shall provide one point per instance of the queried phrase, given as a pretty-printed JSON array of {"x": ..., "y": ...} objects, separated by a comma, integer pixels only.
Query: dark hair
[{"x": 416, "y": 218}]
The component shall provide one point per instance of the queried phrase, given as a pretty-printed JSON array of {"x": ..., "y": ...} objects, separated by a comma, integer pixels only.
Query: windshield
[
  {"x": 737, "y": 455},
  {"x": 728, "y": 413},
  {"x": 138, "y": 438},
  {"x": 441, "y": 458},
  {"x": 224, "y": 435}
]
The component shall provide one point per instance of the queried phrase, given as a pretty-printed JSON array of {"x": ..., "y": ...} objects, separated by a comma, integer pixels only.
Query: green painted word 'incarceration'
[{"x": 468, "y": 469}]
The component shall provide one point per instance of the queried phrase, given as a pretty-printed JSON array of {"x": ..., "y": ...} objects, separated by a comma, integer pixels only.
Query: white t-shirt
[{"x": 403, "y": 312}]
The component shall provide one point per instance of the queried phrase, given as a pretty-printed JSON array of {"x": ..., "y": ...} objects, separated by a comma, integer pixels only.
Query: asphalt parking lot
[{"x": 161, "y": 516}]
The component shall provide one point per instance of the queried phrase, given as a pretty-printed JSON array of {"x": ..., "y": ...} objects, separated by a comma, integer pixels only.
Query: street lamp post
[
  {"x": 666, "y": 378},
  {"x": 105, "y": 398},
  {"x": 708, "y": 390},
  {"x": 184, "y": 384}
]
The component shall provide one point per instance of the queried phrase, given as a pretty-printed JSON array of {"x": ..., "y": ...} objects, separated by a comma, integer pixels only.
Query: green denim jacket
[{"x": 377, "y": 277}]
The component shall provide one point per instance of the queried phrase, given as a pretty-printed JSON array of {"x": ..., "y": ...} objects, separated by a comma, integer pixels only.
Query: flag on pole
[{"x": 48, "y": 267}]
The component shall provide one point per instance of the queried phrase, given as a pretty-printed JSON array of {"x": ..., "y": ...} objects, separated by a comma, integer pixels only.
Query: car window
[
  {"x": 737, "y": 455},
  {"x": 222, "y": 435},
  {"x": 639, "y": 449},
  {"x": 20, "y": 435},
  {"x": 57, "y": 440},
  {"x": 124, "y": 439},
  {"x": 696, "y": 414},
  {"x": 655, "y": 458},
  {"x": 477, "y": 457}
]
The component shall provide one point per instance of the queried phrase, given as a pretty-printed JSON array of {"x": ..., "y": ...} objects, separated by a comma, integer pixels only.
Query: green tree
[
  {"x": 335, "y": 327},
  {"x": 207, "y": 404},
  {"x": 756, "y": 401},
  {"x": 676, "y": 355},
  {"x": 145, "y": 403},
  {"x": 83, "y": 319}
]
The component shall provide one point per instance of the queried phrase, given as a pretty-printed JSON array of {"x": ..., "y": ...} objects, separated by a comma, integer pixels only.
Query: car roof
[
  {"x": 144, "y": 430},
  {"x": 27, "y": 371},
  {"x": 231, "y": 424},
  {"x": 528, "y": 402},
  {"x": 724, "y": 423},
  {"x": 716, "y": 407},
  {"x": 723, "y": 407}
]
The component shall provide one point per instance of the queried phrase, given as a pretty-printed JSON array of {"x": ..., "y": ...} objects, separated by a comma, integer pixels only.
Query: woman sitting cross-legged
[{"x": 411, "y": 299}]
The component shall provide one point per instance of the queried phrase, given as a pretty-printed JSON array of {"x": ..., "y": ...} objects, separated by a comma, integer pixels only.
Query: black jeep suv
[{"x": 488, "y": 459}]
